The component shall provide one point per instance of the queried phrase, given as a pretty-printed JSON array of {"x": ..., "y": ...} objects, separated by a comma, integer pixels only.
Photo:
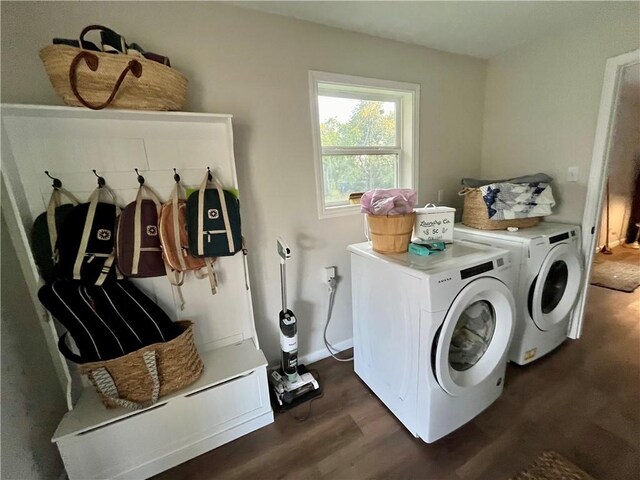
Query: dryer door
[
  {"x": 475, "y": 335},
  {"x": 554, "y": 291}
]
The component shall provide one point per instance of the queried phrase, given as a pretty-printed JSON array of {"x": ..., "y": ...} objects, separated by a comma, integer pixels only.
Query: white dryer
[
  {"x": 549, "y": 273},
  {"x": 431, "y": 334}
]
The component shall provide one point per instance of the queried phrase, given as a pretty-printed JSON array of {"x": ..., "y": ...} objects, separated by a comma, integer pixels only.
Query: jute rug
[
  {"x": 616, "y": 275},
  {"x": 552, "y": 466}
]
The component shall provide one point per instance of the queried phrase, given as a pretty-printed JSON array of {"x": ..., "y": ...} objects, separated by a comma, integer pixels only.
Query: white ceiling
[{"x": 477, "y": 28}]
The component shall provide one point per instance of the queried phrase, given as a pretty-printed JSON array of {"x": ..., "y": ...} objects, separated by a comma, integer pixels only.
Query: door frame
[{"x": 598, "y": 174}]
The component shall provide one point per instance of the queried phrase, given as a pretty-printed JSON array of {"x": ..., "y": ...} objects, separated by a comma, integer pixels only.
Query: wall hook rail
[
  {"x": 140, "y": 177},
  {"x": 101, "y": 180},
  {"x": 56, "y": 182}
]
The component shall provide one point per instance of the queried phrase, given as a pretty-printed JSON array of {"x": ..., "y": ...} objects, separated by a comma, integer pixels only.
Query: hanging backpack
[
  {"x": 86, "y": 240},
  {"x": 138, "y": 250},
  {"x": 105, "y": 322},
  {"x": 213, "y": 220},
  {"x": 175, "y": 241},
  {"x": 44, "y": 233},
  {"x": 173, "y": 234}
]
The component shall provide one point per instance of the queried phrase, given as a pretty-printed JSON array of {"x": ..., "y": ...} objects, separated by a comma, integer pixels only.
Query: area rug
[
  {"x": 552, "y": 466},
  {"x": 616, "y": 275}
]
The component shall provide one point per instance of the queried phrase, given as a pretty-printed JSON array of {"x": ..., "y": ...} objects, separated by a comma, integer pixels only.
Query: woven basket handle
[
  {"x": 92, "y": 61},
  {"x": 104, "y": 382},
  {"x": 90, "y": 28},
  {"x": 466, "y": 190}
]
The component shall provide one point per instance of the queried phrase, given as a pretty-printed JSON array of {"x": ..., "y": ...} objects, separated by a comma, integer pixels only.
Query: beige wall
[
  {"x": 255, "y": 66},
  {"x": 542, "y": 102}
]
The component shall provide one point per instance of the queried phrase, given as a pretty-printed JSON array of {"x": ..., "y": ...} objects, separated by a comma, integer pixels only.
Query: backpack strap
[
  {"x": 137, "y": 227},
  {"x": 54, "y": 202},
  {"x": 213, "y": 278},
  {"x": 245, "y": 252},
  {"x": 174, "y": 198},
  {"x": 86, "y": 233},
  {"x": 223, "y": 206},
  {"x": 176, "y": 279},
  {"x": 66, "y": 351},
  {"x": 106, "y": 267}
]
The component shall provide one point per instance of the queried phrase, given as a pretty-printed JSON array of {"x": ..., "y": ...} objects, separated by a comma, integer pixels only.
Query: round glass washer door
[
  {"x": 475, "y": 335},
  {"x": 472, "y": 335},
  {"x": 554, "y": 291}
]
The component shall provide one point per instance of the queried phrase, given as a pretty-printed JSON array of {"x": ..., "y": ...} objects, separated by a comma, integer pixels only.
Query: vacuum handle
[{"x": 283, "y": 286}]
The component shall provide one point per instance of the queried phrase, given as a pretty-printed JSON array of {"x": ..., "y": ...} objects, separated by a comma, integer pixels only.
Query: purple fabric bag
[{"x": 389, "y": 201}]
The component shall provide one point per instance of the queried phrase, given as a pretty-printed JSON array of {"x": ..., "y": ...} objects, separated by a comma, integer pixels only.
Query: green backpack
[
  {"x": 213, "y": 220},
  {"x": 45, "y": 232}
]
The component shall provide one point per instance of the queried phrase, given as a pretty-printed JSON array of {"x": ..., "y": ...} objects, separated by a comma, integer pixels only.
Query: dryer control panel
[{"x": 477, "y": 270}]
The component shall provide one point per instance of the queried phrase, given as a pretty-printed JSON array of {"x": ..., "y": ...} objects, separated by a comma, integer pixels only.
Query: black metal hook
[
  {"x": 140, "y": 177},
  {"x": 176, "y": 177},
  {"x": 101, "y": 181},
  {"x": 56, "y": 183},
  {"x": 209, "y": 174}
]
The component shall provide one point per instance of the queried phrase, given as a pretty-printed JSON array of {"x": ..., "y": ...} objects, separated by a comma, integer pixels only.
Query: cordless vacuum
[{"x": 292, "y": 384}]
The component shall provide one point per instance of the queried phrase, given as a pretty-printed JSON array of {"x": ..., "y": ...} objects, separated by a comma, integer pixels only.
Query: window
[{"x": 365, "y": 136}]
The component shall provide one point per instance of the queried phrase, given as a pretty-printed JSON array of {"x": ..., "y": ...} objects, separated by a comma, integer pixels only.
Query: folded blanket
[
  {"x": 506, "y": 201},
  {"x": 533, "y": 178}
]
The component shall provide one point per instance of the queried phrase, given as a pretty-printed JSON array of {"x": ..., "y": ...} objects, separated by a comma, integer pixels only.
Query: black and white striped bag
[{"x": 107, "y": 321}]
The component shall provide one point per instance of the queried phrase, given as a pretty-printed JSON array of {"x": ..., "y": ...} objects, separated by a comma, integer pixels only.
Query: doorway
[
  {"x": 617, "y": 264},
  {"x": 609, "y": 220}
]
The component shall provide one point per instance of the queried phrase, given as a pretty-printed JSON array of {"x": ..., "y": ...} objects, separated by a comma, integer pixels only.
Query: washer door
[
  {"x": 475, "y": 335},
  {"x": 554, "y": 291}
]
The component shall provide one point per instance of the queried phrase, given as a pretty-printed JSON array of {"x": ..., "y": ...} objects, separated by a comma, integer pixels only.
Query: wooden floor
[
  {"x": 582, "y": 401},
  {"x": 620, "y": 254}
]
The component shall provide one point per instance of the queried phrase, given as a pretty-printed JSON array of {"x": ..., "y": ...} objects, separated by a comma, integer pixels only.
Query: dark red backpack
[{"x": 139, "y": 253}]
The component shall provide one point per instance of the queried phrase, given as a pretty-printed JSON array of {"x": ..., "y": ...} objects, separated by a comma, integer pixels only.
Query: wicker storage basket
[
  {"x": 138, "y": 379},
  {"x": 98, "y": 80},
  {"x": 391, "y": 233},
  {"x": 475, "y": 215}
]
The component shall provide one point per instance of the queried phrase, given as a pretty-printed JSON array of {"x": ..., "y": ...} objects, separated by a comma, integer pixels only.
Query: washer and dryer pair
[
  {"x": 549, "y": 269},
  {"x": 432, "y": 335}
]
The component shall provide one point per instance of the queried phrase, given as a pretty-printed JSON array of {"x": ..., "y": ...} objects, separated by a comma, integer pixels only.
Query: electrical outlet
[
  {"x": 572, "y": 174},
  {"x": 329, "y": 273},
  {"x": 440, "y": 196}
]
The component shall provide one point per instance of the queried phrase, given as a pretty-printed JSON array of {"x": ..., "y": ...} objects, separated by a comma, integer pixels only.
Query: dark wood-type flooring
[
  {"x": 582, "y": 401},
  {"x": 620, "y": 254}
]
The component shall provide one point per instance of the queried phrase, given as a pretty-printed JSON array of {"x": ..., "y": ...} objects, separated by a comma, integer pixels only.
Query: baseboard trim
[
  {"x": 318, "y": 354},
  {"x": 324, "y": 353},
  {"x": 613, "y": 244}
]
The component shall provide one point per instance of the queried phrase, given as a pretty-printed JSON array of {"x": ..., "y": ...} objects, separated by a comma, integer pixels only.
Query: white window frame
[{"x": 407, "y": 99}]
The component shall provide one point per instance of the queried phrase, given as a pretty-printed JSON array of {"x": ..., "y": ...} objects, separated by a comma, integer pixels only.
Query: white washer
[
  {"x": 549, "y": 272},
  {"x": 412, "y": 319}
]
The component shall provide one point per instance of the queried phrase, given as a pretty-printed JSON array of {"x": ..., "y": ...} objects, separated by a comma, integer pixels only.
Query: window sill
[{"x": 341, "y": 211}]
